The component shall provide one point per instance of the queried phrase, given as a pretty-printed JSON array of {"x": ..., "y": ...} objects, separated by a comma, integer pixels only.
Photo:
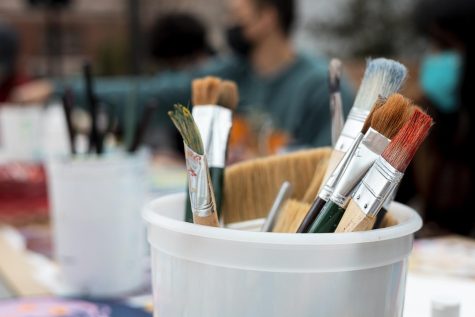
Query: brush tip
[
  {"x": 407, "y": 141},
  {"x": 228, "y": 95},
  {"x": 391, "y": 117}
]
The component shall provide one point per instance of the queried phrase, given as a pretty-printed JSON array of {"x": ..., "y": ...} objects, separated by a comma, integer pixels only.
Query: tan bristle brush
[
  {"x": 386, "y": 121},
  {"x": 214, "y": 101},
  {"x": 291, "y": 216},
  {"x": 385, "y": 175},
  {"x": 251, "y": 186}
]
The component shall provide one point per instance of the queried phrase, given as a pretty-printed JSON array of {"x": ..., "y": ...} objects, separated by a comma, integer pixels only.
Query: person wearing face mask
[
  {"x": 272, "y": 76},
  {"x": 444, "y": 169}
]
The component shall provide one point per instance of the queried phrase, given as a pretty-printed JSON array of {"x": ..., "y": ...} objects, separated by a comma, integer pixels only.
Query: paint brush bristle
[
  {"x": 382, "y": 77},
  {"x": 403, "y": 147},
  {"x": 392, "y": 116},
  {"x": 212, "y": 88},
  {"x": 228, "y": 95},
  {"x": 197, "y": 92},
  {"x": 378, "y": 104},
  {"x": 184, "y": 122}
]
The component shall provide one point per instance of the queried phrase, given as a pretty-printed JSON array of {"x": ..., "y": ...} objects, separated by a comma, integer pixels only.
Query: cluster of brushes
[
  {"x": 378, "y": 141},
  {"x": 99, "y": 129},
  {"x": 205, "y": 135},
  {"x": 371, "y": 152}
]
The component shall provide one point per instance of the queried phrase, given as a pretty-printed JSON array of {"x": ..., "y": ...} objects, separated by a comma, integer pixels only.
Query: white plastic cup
[
  {"x": 200, "y": 271},
  {"x": 98, "y": 230}
]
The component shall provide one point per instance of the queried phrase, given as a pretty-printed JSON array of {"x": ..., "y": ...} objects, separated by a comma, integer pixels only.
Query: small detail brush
[
  {"x": 200, "y": 188},
  {"x": 284, "y": 193},
  {"x": 382, "y": 77},
  {"x": 94, "y": 142},
  {"x": 336, "y": 104},
  {"x": 385, "y": 123},
  {"x": 385, "y": 175},
  {"x": 68, "y": 105}
]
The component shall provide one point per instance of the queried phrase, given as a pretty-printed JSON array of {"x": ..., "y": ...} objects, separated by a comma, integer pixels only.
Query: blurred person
[
  {"x": 444, "y": 170},
  {"x": 178, "y": 41},
  {"x": 272, "y": 76},
  {"x": 10, "y": 77}
]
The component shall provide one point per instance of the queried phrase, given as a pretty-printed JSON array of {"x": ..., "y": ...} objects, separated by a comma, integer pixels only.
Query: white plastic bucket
[
  {"x": 202, "y": 271},
  {"x": 98, "y": 230}
]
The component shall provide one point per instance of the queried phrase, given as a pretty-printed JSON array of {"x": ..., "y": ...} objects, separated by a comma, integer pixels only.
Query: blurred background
[{"x": 143, "y": 51}]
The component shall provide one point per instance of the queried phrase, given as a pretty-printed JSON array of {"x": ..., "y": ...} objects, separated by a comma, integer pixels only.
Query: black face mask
[{"x": 238, "y": 43}]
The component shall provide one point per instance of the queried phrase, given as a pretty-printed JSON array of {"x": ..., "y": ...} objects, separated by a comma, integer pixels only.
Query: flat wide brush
[
  {"x": 385, "y": 175},
  {"x": 385, "y": 123}
]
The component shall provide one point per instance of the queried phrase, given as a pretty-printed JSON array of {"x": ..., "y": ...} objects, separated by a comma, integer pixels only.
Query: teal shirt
[{"x": 296, "y": 98}]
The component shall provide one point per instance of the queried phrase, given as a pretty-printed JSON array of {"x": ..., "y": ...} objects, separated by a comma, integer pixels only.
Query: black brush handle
[
  {"x": 68, "y": 108},
  {"x": 94, "y": 141},
  {"x": 142, "y": 126},
  {"x": 311, "y": 215}
]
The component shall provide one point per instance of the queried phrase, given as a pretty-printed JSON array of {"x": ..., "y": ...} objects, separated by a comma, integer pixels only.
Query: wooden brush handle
[
  {"x": 211, "y": 220},
  {"x": 355, "y": 220},
  {"x": 335, "y": 158}
]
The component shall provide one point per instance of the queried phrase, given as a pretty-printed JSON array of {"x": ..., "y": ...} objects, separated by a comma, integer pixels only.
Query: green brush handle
[
  {"x": 328, "y": 219},
  {"x": 379, "y": 218},
  {"x": 217, "y": 179},
  {"x": 311, "y": 215}
]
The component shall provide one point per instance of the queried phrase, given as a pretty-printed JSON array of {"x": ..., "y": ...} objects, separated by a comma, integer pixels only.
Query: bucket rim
[{"x": 409, "y": 222}]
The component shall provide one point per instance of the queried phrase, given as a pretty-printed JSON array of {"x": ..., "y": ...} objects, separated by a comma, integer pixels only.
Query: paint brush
[
  {"x": 385, "y": 175},
  {"x": 199, "y": 183},
  {"x": 214, "y": 102},
  {"x": 68, "y": 104},
  {"x": 94, "y": 138},
  {"x": 324, "y": 194},
  {"x": 284, "y": 193},
  {"x": 385, "y": 123},
  {"x": 382, "y": 77},
  {"x": 336, "y": 104}
]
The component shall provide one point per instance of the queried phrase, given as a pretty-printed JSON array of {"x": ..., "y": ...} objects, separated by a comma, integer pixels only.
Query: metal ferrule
[
  {"x": 214, "y": 123},
  {"x": 201, "y": 193},
  {"x": 372, "y": 145},
  {"x": 376, "y": 186},
  {"x": 327, "y": 190},
  {"x": 353, "y": 125}
]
